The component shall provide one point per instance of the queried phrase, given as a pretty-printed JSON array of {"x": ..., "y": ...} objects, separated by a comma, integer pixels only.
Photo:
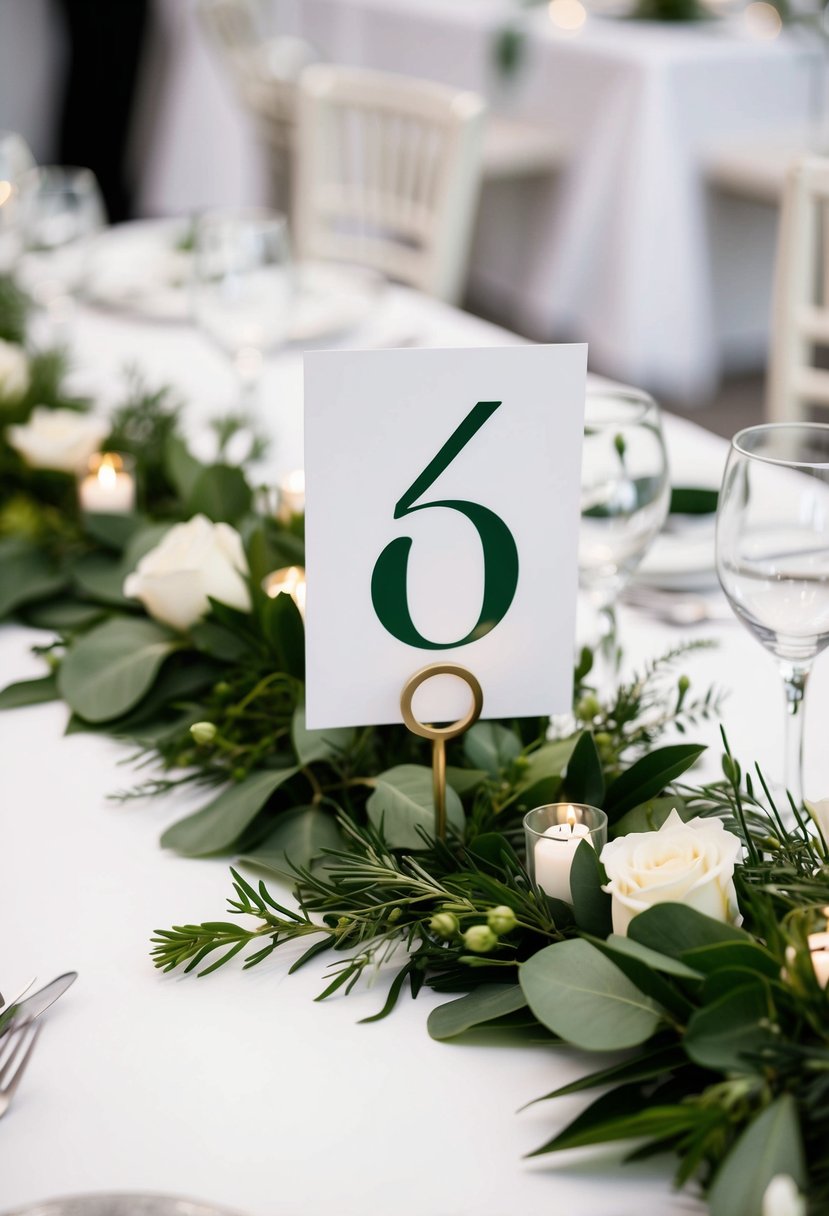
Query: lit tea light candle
[
  {"x": 554, "y": 853},
  {"x": 108, "y": 488},
  {"x": 290, "y": 580},
  {"x": 291, "y": 495}
]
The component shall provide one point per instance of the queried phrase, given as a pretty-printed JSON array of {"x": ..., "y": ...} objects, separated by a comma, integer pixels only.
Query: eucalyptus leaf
[
  {"x": 649, "y": 816},
  {"x": 674, "y": 929},
  {"x": 221, "y": 493},
  {"x": 649, "y": 776},
  {"x": 584, "y": 998},
  {"x": 312, "y": 746},
  {"x": 101, "y": 578},
  {"x": 402, "y": 801},
  {"x": 725, "y": 1034},
  {"x": 284, "y": 633},
  {"x": 114, "y": 531},
  {"x": 217, "y": 826},
  {"x": 591, "y": 905},
  {"x": 108, "y": 670},
  {"x": 64, "y": 616},
  {"x": 584, "y": 779},
  {"x": 772, "y": 1144},
  {"x": 181, "y": 468},
  {"x": 464, "y": 780},
  {"x": 727, "y": 955},
  {"x": 219, "y": 642},
  {"x": 28, "y": 575},
  {"x": 29, "y": 692},
  {"x": 299, "y": 837},
  {"x": 490, "y": 746},
  {"x": 481, "y": 1005}
]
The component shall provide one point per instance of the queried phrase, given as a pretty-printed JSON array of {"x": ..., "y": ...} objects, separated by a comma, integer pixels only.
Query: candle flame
[
  {"x": 295, "y": 481},
  {"x": 572, "y": 817}
]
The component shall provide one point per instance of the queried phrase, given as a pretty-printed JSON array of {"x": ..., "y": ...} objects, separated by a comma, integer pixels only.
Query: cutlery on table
[
  {"x": 682, "y": 610},
  {"x": 16, "y": 1049},
  {"x": 27, "y": 1008}
]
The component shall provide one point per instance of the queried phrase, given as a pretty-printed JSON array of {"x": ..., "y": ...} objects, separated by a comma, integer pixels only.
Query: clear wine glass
[
  {"x": 773, "y": 556},
  {"x": 15, "y": 160},
  {"x": 625, "y": 494},
  {"x": 61, "y": 210},
  {"x": 242, "y": 288}
]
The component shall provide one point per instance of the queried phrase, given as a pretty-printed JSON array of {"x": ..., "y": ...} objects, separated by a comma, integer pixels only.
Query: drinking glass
[
  {"x": 773, "y": 556},
  {"x": 15, "y": 160},
  {"x": 61, "y": 209},
  {"x": 243, "y": 287},
  {"x": 625, "y": 494}
]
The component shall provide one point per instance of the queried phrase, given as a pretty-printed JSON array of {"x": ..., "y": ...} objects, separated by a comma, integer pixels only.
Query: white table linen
[{"x": 239, "y": 1089}]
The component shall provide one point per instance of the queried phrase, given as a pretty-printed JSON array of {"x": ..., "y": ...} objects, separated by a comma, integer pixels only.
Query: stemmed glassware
[
  {"x": 773, "y": 556},
  {"x": 61, "y": 209},
  {"x": 625, "y": 494},
  {"x": 15, "y": 160},
  {"x": 243, "y": 287}
]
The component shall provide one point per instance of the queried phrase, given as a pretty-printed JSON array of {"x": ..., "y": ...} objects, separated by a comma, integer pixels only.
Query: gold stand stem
[{"x": 440, "y": 734}]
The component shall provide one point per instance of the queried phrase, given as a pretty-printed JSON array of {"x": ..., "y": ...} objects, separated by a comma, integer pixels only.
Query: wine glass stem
[{"x": 794, "y": 686}]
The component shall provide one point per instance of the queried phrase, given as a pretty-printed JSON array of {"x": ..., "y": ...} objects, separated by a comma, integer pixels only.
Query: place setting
[{"x": 408, "y": 766}]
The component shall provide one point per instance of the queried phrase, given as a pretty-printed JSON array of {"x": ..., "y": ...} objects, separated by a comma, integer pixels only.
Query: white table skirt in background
[
  {"x": 625, "y": 248},
  {"x": 239, "y": 1089}
]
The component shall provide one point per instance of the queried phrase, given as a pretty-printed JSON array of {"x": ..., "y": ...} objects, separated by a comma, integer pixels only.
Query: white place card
[{"x": 442, "y": 520}]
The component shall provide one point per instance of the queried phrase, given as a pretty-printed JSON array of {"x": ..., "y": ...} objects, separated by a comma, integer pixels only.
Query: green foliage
[{"x": 109, "y": 670}]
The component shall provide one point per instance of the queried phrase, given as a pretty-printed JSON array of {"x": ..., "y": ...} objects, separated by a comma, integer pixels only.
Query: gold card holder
[{"x": 439, "y": 735}]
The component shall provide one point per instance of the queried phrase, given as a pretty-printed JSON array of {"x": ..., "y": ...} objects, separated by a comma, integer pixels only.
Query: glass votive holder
[
  {"x": 552, "y": 834},
  {"x": 107, "y": 486}
]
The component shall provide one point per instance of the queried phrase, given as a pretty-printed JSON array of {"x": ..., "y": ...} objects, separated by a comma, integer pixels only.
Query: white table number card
[{"x": 442, "y": 521}]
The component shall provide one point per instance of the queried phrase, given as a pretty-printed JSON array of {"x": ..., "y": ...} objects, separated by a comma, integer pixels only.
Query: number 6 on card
[
  {"x": 389, "y": 590},
  {"x": 476, "y": 558}
]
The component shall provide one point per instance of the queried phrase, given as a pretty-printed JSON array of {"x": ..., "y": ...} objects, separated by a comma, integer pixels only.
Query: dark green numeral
[{"x": 389, "y": 592}]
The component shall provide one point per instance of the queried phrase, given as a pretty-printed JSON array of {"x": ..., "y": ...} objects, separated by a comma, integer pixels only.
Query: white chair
[
  {"x": 264, "y": 72},
  {"x": 800, "y": 321},
  {"x": 387, "y": 175}
]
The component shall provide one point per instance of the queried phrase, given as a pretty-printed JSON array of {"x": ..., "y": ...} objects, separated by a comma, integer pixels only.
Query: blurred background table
[{"x": 619, "y": 239}]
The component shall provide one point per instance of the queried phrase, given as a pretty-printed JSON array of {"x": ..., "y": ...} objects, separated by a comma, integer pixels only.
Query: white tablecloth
[
  {"x": 625, "y": 249},
  {"x": 238, "y": 1089}
]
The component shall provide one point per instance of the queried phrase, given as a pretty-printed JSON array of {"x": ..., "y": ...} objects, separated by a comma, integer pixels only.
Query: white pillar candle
[
  {"x": 291, "y": 495},
  {"x": 290, "y": 580},
  {"x": 554, "y": 853},
  {"x": 108, "y": 488}
]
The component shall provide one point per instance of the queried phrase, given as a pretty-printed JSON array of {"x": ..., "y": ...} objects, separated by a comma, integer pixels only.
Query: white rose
[
  {"x": 14, "y": 372},
  {"x": 782, "y": 1198},
  {"x": 192, "y": 561},
  {"x": 58, "y": 439},
  {"x": 685, "y": 863}
]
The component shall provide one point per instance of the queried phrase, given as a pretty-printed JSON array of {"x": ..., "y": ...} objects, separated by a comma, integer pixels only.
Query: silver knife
[{"x": 33, "y": 1006}]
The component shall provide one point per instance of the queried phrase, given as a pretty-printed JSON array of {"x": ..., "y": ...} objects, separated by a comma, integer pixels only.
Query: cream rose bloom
[
  {"x": 58, "y": 439},
  {"x": 685, "y": 863},
  {"x": 192, "y": 561},
  {"x": 14, "y": 372}
]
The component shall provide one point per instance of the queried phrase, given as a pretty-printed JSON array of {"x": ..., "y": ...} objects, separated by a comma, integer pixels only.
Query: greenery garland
[{"x": 724, "y": 1025}]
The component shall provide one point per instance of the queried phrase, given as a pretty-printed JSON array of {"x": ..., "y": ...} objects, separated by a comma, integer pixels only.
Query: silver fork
[{"x": 16, "y": 1048}]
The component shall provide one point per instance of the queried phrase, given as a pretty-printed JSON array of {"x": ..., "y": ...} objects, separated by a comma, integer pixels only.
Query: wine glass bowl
[
  {"x": 242, "y": 286},
  {"x": 61, "y": 209},
  {"x": 773, "y": 553},
  {"x": 625, "y": 489}
]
